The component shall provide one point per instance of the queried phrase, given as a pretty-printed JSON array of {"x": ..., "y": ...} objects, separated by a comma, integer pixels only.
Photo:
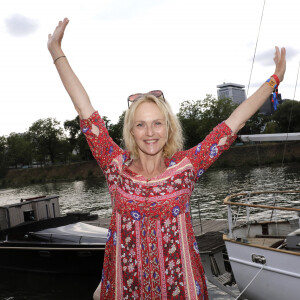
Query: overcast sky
[{"x": 120, "y": 47}]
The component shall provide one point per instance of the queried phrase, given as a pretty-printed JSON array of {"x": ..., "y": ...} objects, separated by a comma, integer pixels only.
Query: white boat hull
[{"x": 279, "y": 279}]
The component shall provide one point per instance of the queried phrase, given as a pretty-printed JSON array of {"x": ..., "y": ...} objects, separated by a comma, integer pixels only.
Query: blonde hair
[{"x": 174, "y": 131}]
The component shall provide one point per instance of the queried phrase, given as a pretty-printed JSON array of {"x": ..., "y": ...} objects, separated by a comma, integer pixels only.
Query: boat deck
[{"x": 266, "y": 242}]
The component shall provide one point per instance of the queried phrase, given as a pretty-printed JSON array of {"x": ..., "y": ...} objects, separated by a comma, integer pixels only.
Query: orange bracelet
[{"x": 272, "y": 83}]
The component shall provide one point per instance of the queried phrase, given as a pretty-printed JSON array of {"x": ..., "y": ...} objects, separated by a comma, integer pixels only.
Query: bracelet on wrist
[
  {"x": 58, "y": 58},
  {"x": 272, "y": 83},
  {"x": 276, "y": 78}
]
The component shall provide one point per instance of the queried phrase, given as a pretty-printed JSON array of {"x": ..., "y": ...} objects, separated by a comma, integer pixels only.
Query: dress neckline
[{"x": 135, "y": 174}]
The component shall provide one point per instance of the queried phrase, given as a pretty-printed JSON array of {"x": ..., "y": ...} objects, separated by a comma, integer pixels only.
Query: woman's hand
[
  {"x": 69, "y": 79},
  {"x": 54, "y": 40},
  {"x": 249, "y": 107},
  {"x": 280, "y": 62}
]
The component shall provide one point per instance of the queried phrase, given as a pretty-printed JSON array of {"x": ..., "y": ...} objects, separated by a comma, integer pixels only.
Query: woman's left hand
[
  {"x": 55, "y": 39},
  {"x": 280, "y": 63}
]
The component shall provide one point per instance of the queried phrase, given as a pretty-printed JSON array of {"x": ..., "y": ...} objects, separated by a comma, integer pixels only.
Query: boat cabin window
[{"x": 28, "y": 215}]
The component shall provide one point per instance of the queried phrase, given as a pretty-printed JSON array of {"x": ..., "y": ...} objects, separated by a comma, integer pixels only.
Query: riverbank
[
  {"x": 260, "y": 155},
  {"x": 246, "y": 156},
  {"x": 69, "y": 172}
]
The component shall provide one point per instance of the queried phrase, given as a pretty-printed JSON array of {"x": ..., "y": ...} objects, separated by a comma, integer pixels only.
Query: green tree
[
  {"x": 255, "y": 125},
  {"x": 199, "y": 117},
  {"x": 64, "y": 150},
  {"x": 77, "y": 139},
  {"x": 19, "y": 149},
  {"x": 287, "y": 116},
  {"x": 216, "y": 111},
  {"x": 73, "y": 129},
  {"x": 3, "y": 160},
  {"x": 116, "y": 130},
  {"x": 45, "y": 136},
  {"x": 271, "y": 127}
]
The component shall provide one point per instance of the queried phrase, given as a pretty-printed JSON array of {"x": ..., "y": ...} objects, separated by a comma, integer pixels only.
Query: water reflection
[
  {"x": 215, "y": 185},
  {"x": 92, "y": 195}
]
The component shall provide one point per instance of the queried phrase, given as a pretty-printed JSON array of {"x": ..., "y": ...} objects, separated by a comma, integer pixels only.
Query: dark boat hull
[{"x": 55, "y": 258}]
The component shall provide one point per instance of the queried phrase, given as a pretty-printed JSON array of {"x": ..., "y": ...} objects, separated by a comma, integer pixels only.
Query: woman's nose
[{"x": 149, "y": 131}]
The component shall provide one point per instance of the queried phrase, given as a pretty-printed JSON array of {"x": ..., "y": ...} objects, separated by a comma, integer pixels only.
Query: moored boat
[
  {"x": 264, "y": 251},
  {"x": 34, "y": 237}
]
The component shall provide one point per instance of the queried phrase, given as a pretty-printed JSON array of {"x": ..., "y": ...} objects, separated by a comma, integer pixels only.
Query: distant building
[{"x": 233, "y": 91}]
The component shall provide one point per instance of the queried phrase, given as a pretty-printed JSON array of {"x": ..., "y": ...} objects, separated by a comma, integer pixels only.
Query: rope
[
  {"x": 262, "y": 267},
  {"x": 261, "y": 18}
]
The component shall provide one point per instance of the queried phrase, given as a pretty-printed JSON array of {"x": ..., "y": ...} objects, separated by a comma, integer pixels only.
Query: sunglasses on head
[{"x": 135, "y": 97}]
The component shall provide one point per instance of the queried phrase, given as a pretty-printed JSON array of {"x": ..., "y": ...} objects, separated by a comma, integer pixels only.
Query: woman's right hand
[
  {"x": 54, "y": 40},
  {"x": 280, "y": 62}
]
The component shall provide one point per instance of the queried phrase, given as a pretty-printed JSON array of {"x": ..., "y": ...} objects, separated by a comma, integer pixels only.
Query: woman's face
[{"x": 149, "y": 129}]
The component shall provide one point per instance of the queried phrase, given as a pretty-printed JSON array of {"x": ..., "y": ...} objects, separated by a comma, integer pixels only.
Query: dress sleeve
[
  {"x": 207, "y": 152},
  {"x": 103, "y": 148}
]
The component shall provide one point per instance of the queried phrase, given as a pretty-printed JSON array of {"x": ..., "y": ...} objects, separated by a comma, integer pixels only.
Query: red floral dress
[{"x": 151, "y": 251}]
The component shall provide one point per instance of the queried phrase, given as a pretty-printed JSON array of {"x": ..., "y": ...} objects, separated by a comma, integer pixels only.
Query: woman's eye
[
  {"x": 139, "y": 125},
  {"x": 158, "y": 123}
]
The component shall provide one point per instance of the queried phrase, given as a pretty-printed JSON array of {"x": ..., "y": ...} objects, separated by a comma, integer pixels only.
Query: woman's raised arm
[
  {"x": 250, "y": 106},
  {"x": 70, "y": 81}
]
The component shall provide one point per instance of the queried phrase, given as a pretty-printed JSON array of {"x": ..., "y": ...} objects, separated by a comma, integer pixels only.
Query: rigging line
[
  {"x": 254, "y": 55},
  {"x": 262, "y": 267},
  {"x": 290, "y": 118},
  {"x": 230, "y": 177},
  {"x": 261, "y": 18},
  {"x": 288, "y": 129}
]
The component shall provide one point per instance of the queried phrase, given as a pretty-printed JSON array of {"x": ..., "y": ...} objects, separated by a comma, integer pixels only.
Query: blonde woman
[{"x": 151, "y": 251}]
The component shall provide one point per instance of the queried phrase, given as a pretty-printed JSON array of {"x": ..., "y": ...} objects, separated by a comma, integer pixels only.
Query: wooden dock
[
  {"x": 207, "y": 225},
  {"x": 210, "y": 225}
]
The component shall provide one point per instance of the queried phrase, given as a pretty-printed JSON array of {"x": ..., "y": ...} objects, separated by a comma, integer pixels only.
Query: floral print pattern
[
  {"x": 213, "y": 150},
  {"x": 151, "y": 251}
]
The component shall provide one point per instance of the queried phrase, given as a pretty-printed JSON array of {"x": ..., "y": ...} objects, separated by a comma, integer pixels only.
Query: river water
[{"x": 92, "y": 196}]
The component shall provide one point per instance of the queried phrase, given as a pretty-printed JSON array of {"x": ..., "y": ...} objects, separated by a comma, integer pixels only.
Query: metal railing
[{"x": 246, "y": 197}]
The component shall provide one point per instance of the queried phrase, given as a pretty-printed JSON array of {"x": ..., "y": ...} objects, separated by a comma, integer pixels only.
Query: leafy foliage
[
  {"x": 287, "y": 116},
  {"x": 77, "y": 139},
  {"x": 19, "y": 149},
  {"x": 45, "y": 135},
  {"x": 271, "y": 127},
  {"x": 199, "y": 117},
  {"x": 3, "y": 160},
  {"x": 255, "y": 124},
  {"x": 116, "y": 130},
  {"x": 47, "y": 140}
]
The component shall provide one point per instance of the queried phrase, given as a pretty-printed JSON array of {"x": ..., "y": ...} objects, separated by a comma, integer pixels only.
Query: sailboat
[
  {"x": 264, "y": 250},
  {"x": 263, "y": 246}
]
